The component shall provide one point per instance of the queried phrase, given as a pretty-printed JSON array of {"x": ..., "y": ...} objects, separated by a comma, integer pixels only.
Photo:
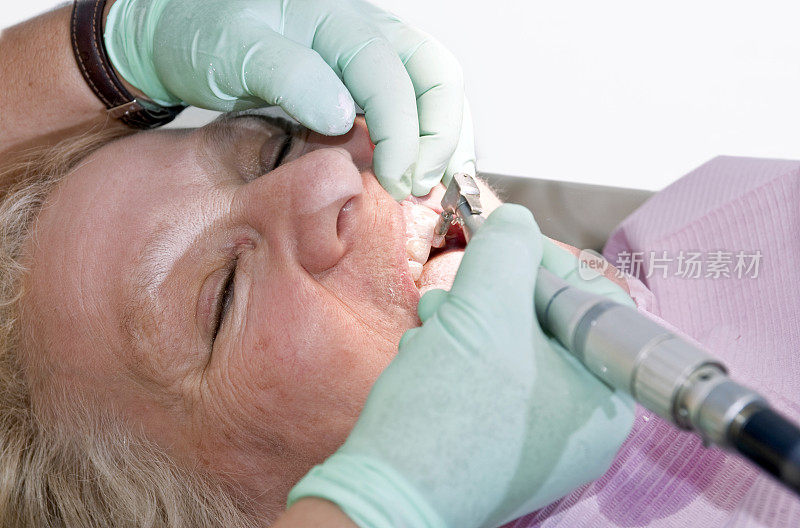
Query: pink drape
[{"x": 730, "y": 213}]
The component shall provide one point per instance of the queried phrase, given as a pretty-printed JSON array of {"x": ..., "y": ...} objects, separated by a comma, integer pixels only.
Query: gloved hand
[
  {"x": 481, "y": 417},
  {"x": 312, "y": 58}
]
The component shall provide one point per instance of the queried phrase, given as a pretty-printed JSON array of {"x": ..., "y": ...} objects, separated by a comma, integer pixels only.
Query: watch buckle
[{"x": 125, "y": 109}]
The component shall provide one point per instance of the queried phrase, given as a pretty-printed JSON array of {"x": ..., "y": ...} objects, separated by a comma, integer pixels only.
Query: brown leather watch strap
[{"x": 86, "y": 28}]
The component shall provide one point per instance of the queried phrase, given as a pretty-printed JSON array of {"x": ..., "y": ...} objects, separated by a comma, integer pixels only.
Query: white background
[{"x": 631, "y": 93}]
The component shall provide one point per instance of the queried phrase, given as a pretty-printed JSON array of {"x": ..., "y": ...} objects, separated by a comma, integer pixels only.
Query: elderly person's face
[{"x": 238, "y": 315}]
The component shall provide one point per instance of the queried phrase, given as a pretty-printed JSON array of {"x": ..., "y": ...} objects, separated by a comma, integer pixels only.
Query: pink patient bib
[{"x": 716, "y": 254}]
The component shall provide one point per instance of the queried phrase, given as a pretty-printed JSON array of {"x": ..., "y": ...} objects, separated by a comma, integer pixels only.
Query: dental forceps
[{"x": 461, "y": 204}]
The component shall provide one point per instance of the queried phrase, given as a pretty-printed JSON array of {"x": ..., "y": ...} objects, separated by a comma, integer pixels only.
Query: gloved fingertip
[
  {"x": 399, "y": 193},
  {"x": 512, "y": 214},
  {"x": 421, "y": 189},
  {"x": 398, "y": 188},
  {"x": 423, "y": 183},
  {"x": 330, "y": 112},
  {"x": 556, "y": 259},
  {"x": 327, "y": 123},
  {"x": 455, "y": 166},
  {"x": 430, "y": 302},
  {"x": 407, "y": 336},
  {"x": 563, "y": 263},
  {"x": 586, "y": 271},
  {"x": 468, "y": 168},
  {"x": 346, "y": 110},
  {"x": 448, "y": 177},
  {"x": 336, "y": 127}
]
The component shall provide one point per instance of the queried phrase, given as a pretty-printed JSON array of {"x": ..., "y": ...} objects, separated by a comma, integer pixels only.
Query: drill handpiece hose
[{"x": 661, "y": 370}]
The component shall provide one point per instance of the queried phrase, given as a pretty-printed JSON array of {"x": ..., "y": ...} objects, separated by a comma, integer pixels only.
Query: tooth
[
  {"x": 420, "y": 221},
  {"x": 408, "y": 212},
  {"x": 415, "y": 268},
  {"x": 418, "y": 250}
]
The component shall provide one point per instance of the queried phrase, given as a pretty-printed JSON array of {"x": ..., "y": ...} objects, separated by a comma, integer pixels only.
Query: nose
[{"x": 306, "y": 209}]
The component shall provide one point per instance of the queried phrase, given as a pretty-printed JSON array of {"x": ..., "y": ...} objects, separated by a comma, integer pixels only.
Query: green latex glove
[
  {"x": 481, "y": 417},
  {"x": 312, "y": 58}
]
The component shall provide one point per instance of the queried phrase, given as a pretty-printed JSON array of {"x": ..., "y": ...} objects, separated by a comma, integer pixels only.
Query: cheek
[
  {"x": 304, "y": 336},
  {"x": 300, "y": 372},
  {"x": 299, "y": 369}
]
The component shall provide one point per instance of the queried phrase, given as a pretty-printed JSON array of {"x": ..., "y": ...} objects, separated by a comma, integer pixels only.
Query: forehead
[
  {"x": 132, "y": 171},
  {"x": 158, "y": 169},
  {"x": 95, "y": 225},
  {"x": 104, "y": 210},
  {"x": 147, "y": 190}
]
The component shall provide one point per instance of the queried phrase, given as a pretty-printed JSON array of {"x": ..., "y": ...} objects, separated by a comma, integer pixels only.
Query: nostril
[{"x": 344, "y": 219}]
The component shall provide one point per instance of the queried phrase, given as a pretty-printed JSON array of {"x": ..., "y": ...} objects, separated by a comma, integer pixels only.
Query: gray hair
[{"x": 98, "y": 473}]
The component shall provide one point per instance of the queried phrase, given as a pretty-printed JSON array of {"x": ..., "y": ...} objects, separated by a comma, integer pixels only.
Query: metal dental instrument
[
  {"x": 661, "y": 370},
  {"x": 461, "y": 204}
]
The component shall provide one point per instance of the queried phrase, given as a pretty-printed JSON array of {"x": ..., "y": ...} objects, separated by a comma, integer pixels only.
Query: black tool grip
[{"x": 772, "y": 442}]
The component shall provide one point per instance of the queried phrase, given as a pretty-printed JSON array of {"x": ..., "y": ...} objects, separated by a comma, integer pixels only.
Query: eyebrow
[
  {"x": 144, "y": 304},
  {"x": 158, "y": 256},
  {"x": 150, "y": 269}
]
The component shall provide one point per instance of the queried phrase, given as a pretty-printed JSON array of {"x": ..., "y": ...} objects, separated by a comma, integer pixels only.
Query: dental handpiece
[{"x": 662, "y": 371}]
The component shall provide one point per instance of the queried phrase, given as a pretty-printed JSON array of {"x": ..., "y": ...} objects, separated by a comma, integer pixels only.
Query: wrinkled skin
[
  {"x": 130, "y": 260},
  {"x": 131, "y": 256}
]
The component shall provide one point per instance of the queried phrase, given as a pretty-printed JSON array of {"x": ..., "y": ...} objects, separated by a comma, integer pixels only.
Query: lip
[
  {"x": 432, "y": 200},
  {"x": 395, "y": 221},
  {"x": 409, "y": 286},
  {"x": 408, "y": 281},
  {"x": 387, "y": 221},
  {"x": 454, "y": 239}
]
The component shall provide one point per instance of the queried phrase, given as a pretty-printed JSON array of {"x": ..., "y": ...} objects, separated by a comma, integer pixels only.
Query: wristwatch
[{"x": 86, "y": 33}]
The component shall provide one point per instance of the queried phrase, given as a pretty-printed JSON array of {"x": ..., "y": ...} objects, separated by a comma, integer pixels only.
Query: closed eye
[
  {"x": 283, "y": 149},
  {"x": 224, "y": 299},
  {"x": 277, "y": 149}
]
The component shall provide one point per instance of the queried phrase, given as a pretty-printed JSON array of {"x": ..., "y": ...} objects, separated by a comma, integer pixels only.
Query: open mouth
[{"x": 420, "y": 220}]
